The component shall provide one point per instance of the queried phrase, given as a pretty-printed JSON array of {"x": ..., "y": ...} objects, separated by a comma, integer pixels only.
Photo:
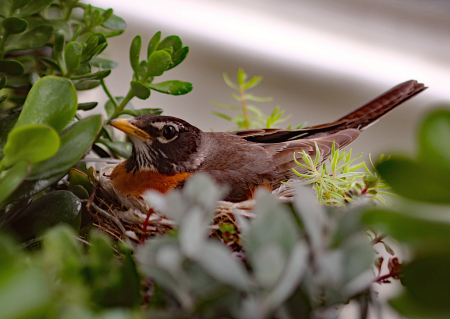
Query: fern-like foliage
[
  {"x": 341, "y": 181},
  {"x": 249, "y": 115}
]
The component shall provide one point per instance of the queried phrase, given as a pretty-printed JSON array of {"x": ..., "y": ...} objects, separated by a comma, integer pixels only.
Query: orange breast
[{"x": 136, "y": 184}]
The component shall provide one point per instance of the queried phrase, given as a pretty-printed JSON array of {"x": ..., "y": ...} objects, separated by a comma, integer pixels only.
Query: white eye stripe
[{"x": 162, "y": 140}]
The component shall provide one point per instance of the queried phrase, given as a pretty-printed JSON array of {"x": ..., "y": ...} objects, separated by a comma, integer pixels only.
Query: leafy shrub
[{"x": 298, "y": 260}]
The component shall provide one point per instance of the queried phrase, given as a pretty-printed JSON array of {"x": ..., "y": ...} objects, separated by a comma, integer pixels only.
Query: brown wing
[{"x": 357, "y": 119}]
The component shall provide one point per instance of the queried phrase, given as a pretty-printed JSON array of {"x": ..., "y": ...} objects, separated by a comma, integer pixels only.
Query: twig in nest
[{"x": 111, "y": 217}]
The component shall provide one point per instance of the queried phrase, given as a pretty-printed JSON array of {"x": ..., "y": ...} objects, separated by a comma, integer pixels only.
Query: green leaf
[
  {"x": 229, "y": 82},
  {"x": 410, "y": 308},
  {"x": 157, "y": 63},
  {"x": 87, "y": 106},
  {"x": 242, "y": 76},
  {"x": 115, "y": 23},
  {"x": 2, "y": 81},
  {"x": 6, "y": 125},
  {"x": 84, "y": 68},
  {"x": 226, "y": 117},
  {"x": 78, "y": 178},
  {"x": 58, "y": 44},
  {"x": 140, "y": 90},
  {"x": 252, "y": 83},
  {"x": 47, "y": 211},
  {"x": 433, "y": 140},
  {"x": 3, "y": 98},
  {"x": 29, "y": 283},
  {"x": 30, "y": 188},
  {"x": 72, "y": 55},
  {"x": 33, "y": 7},
  {"x": 92, "y": 76},
  {"x": 411, "y": 229},
  {"x": 139, "y": 112},
  {"x": 415, "y": 180},
  {"x": 16, "y": 4},
  {"x": 122, "y": 149},
  {"x": 32, "y": 143},
  {"x": 75, "y": 141},
  {"x": 32, "y": 39},
  {"x": 217, "y": 261},
  {"x": 11, "y": 179},
  {"x": 178, "y": 57},
  {"x": 153, "y": 44},
  {"x": 51, "y": 101},
  {"x": 273, "y": 225},
  {"x": 13, "y": 25},
  {"x": 172, "y": 87},
  {"x": 103, "y": 63},
  {"x": 135, "y": 52},
  {"x": 11, "y": 67},
  {"x": 87, "y": 85},
  {"x": 427, "y": 281},
  {"x": 171, "y": 41},
  {"x": 50, "y": 63}
]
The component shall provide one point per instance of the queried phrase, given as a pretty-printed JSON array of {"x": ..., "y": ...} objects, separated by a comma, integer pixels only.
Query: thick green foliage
[{"x": 420, "y": 219}]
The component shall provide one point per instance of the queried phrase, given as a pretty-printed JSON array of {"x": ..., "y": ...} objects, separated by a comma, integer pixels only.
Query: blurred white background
[{"x": 319, "y": 59}]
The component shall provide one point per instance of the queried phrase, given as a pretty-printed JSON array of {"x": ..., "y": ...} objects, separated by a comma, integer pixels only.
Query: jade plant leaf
[
  {"x": 34, "y": 7},
  {"x": 178, "y": 57},
  {"x": 32, "y": 39},
  {"x": 72, "y": 55},
  {"x": 78, "y": 178},
  {"x": 414, "y": 180},
  {"x": 157, "y": 63},
  {"x": 49, "y": 210},
  {"x": 30, "y": 188},
  {"x": 122, "y": 149},
  {"x": 87, "y": 106},
  {"x": 153, "y": 43},
  {"x": 103, "y": 63},
  {"x": 13, "y": 25},
  {"x": 75, "y": 141},
  {"x": 172, "y": 87},
  {"x": 11, "y": 179},
  {"x": 135, "y": 52},
  {"x": 140, "y": 90},
  {"x": 115, "y": 23},
  {"x": 171, "y": 41},
  {"x": 433, "y": 140},
  {"x": 51, "y": 101},
  {"x": 31, "y": 143},
  {"x": 11, "y": 67}
]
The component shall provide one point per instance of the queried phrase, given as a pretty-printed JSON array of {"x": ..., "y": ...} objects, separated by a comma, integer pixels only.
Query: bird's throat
[{"x": 135, "y": 184}]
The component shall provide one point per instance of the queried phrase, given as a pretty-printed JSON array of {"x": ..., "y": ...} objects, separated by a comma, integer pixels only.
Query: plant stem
[
  {"x": 111, "y": 98},
  {"x": 244, "y": 107},
  {"x": 122, "y": 105},
  {"x": 68, "y": 13}
]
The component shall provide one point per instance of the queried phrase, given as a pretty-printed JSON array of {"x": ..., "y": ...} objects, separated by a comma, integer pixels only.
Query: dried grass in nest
[{"x": 122, "y": 218}]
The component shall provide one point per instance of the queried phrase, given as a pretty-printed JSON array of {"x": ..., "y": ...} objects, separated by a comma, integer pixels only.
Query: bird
[{"x": 167, "y": 151}]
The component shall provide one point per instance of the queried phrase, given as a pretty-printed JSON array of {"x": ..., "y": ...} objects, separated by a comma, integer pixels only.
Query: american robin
[{"x": 168, "y": 150}]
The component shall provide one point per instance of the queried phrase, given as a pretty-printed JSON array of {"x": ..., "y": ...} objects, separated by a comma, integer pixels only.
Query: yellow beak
[{"x": 127, "y": 126}]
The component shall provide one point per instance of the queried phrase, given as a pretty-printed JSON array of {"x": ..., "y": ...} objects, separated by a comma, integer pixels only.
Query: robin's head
[{"x": 160, "y": 143}]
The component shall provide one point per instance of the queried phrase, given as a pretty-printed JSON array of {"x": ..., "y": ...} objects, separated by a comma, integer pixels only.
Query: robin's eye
[{"x": 169, "y": 132}]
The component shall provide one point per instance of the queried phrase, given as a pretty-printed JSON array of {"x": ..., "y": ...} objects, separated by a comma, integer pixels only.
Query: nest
[{"x": 122, "y": 217}]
